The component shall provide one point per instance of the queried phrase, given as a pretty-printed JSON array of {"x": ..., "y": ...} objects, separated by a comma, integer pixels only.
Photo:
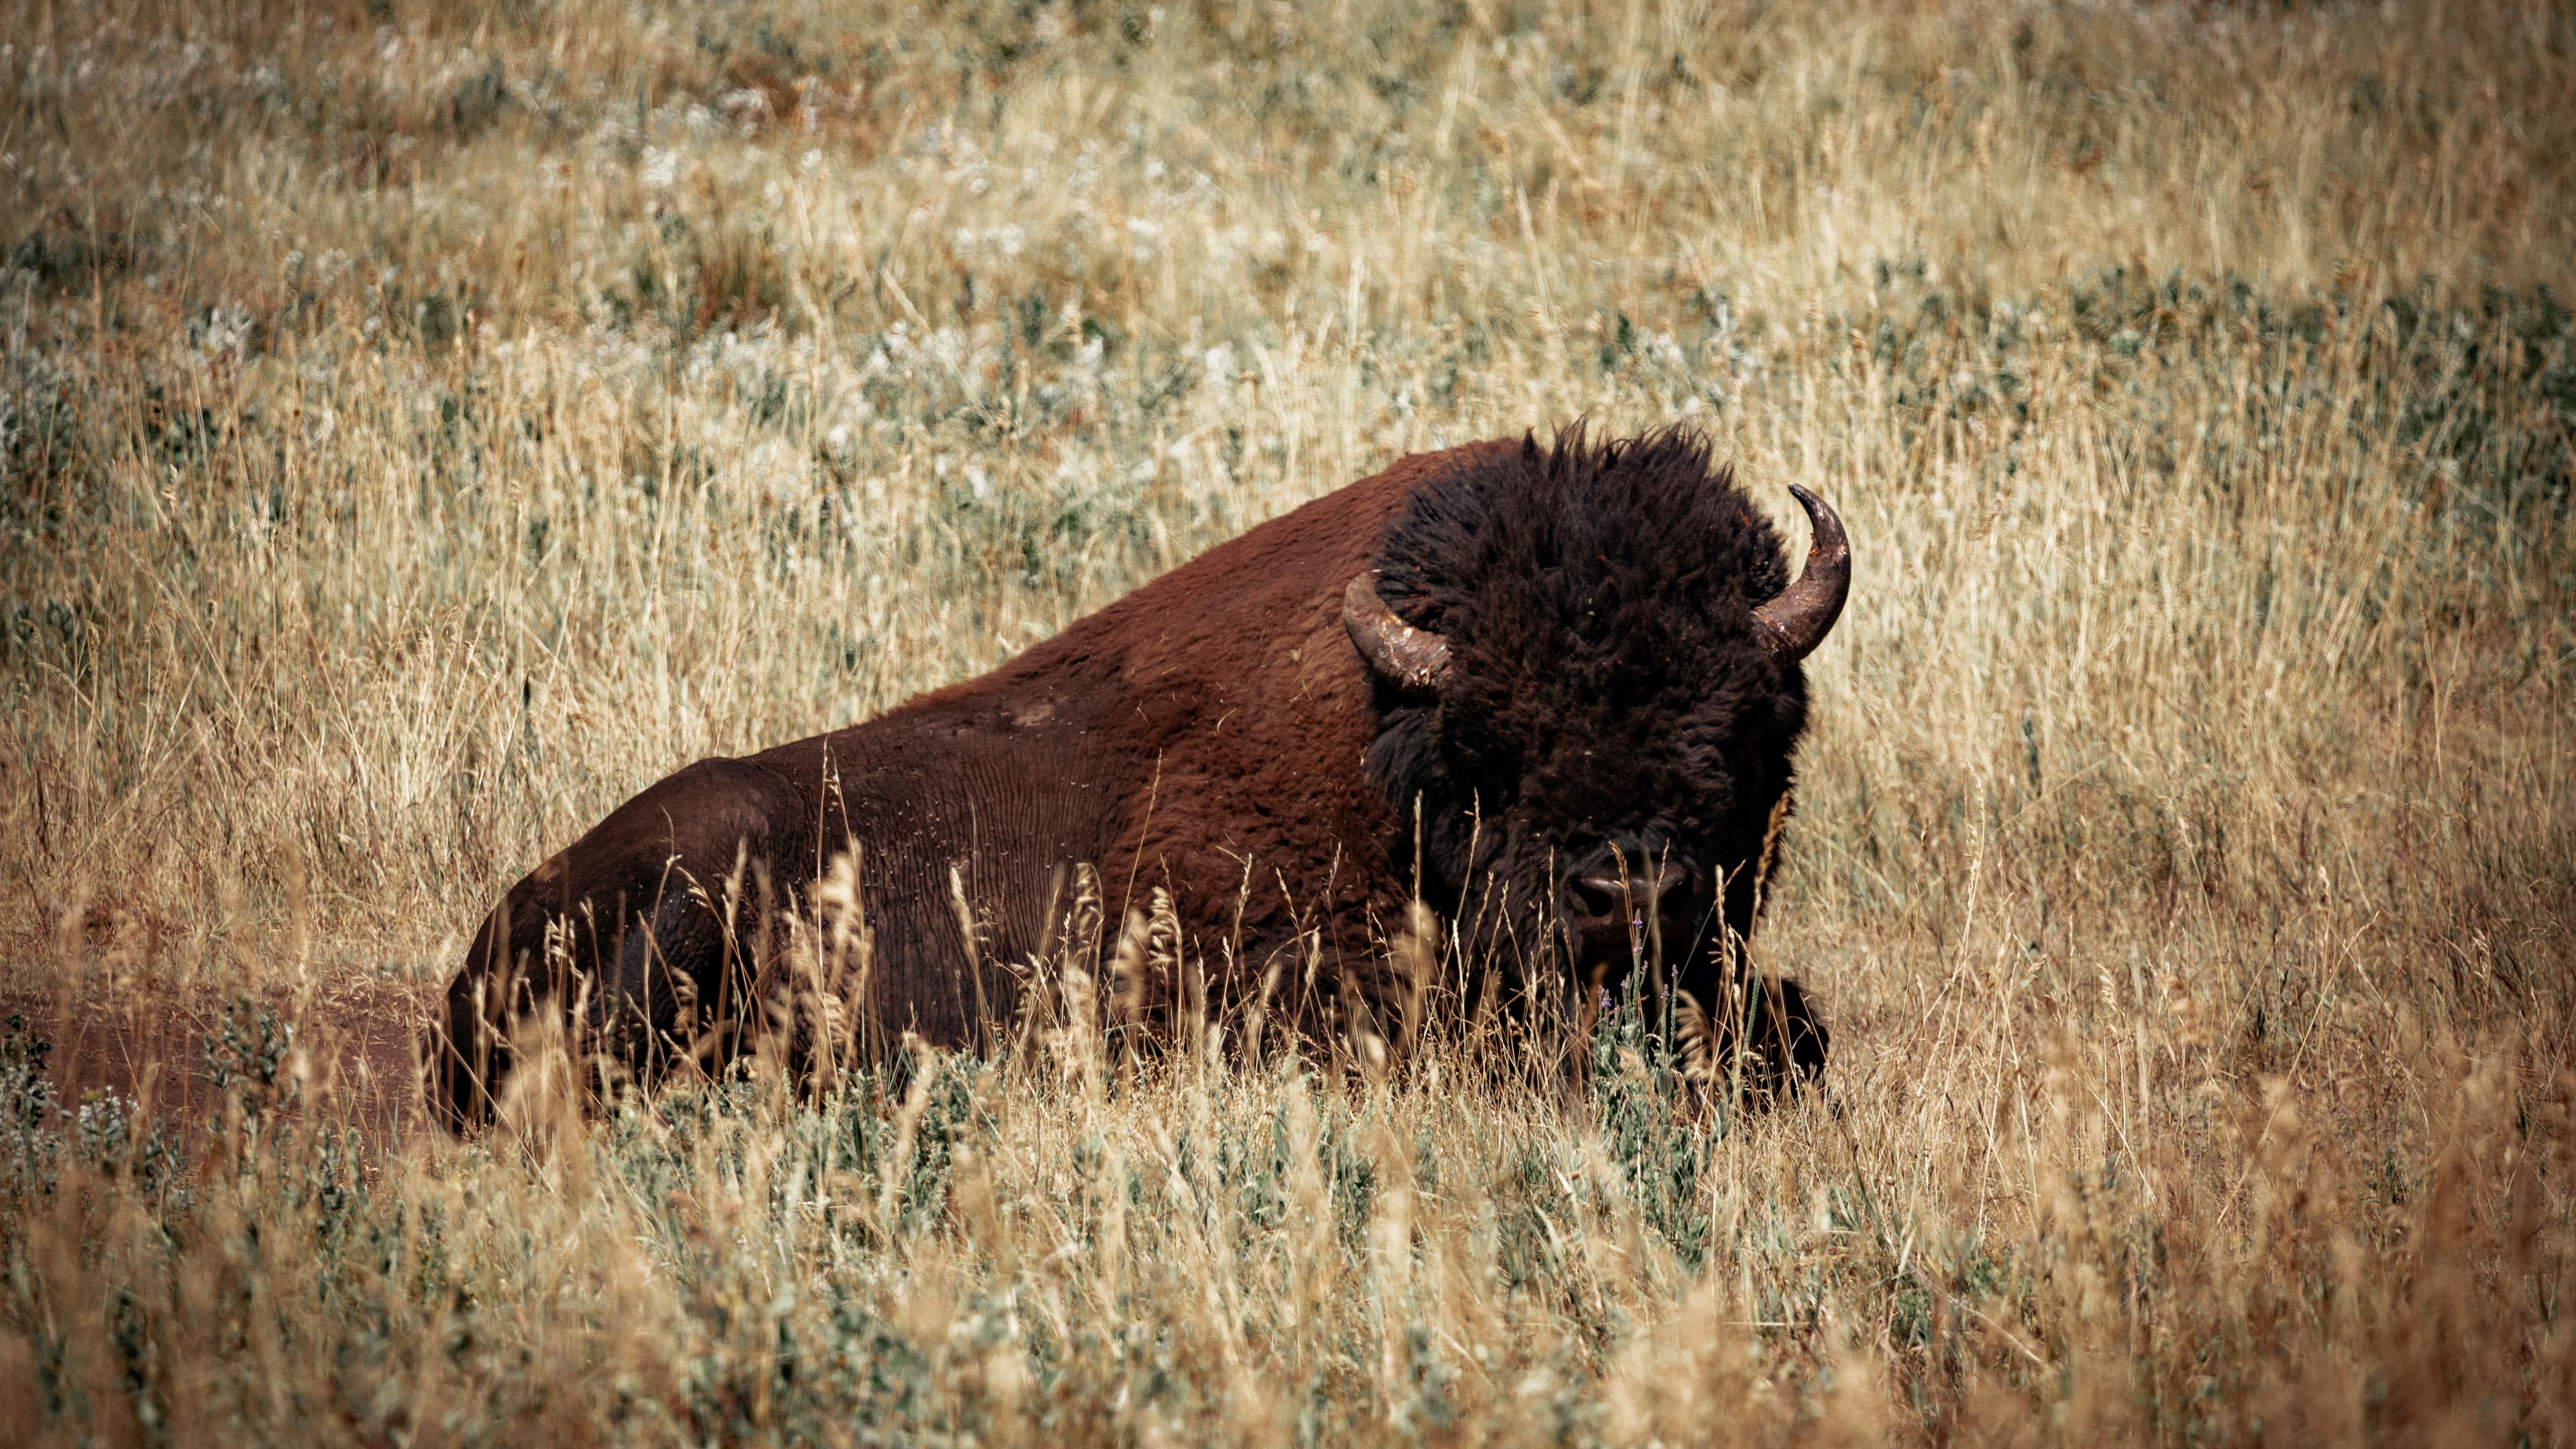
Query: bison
[{"x": 1553, "y": 691}]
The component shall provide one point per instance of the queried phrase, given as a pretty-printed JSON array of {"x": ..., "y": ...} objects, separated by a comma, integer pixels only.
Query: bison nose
[{"x": 1606, "y": 900}]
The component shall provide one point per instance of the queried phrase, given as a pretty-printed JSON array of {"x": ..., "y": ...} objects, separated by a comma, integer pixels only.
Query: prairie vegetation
[{"x": 419, "y": 429}]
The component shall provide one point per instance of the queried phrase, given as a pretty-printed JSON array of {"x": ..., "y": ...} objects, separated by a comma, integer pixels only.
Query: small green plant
[{"x": 28, "y": 1147}]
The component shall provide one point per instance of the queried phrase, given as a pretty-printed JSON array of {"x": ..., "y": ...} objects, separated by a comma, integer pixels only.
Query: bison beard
[{"x": 1575, "y": 668}]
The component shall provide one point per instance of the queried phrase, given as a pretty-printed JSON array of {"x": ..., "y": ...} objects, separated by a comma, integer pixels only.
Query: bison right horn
[
  {"x": 1414, "y": 660},
  {"x": 1799, "y": 617}
]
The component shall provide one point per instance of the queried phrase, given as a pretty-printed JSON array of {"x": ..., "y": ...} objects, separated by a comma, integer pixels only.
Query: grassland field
[{"x": 422, "y": 426}]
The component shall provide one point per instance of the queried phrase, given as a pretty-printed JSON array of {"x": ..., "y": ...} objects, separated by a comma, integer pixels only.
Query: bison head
[{"x": 1587, "y": 659}]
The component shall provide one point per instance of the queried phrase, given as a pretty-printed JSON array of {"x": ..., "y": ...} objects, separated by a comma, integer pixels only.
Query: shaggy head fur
[{"x": 1609, "y": 710}]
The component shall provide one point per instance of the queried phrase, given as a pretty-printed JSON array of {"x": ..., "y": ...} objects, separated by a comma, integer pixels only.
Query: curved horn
[
  {"x": 1414, "y": 660},
  {"x": 1796, "y": 621}
]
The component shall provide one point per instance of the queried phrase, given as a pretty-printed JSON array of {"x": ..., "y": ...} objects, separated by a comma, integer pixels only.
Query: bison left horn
[
  {"x": 1414, "y": 660},
  {"x": 1798, "y": 618}
]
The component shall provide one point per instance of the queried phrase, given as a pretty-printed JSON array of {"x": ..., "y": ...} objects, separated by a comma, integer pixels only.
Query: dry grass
[{"x": 419, "y": 431}]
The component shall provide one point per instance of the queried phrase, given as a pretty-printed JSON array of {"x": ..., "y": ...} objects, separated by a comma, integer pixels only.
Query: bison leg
[
  {"x": 620, "y": 983},
  {"x": 635, "y": 941},
  {"x": 1772, "y": 1035}
]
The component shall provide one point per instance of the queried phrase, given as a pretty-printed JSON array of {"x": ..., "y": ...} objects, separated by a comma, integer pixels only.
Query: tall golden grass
[{"x": 421, "y": 428}]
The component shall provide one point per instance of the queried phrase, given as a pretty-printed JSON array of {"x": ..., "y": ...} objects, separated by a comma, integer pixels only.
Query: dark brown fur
[
  {"x": 1611, "y": 704},
  {"x": 1211, "y": 733}
]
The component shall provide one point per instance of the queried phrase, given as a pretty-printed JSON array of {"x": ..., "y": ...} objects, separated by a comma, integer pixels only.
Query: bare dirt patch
[{"x": 353, "y": 1043}]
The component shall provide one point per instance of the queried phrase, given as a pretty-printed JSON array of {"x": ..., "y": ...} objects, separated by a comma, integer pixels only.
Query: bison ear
[
  {"x": 1797, "y": 620},
  {"x": 1413, "y": 660}
]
